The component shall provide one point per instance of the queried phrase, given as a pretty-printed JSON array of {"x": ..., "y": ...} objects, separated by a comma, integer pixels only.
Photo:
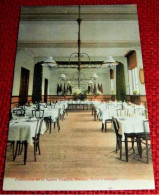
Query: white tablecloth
[
  {"x": 24, "y": 129},
  {"x": 106, "y": 111},
  {"x": 48, "y": 112},
  {"x": 86, "y": 102},
  {"x": 53, "y": 113},
  {"x": 132, "y": 125}
]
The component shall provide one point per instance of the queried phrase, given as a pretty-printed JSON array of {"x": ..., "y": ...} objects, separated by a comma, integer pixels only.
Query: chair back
[
  {"x": 139, "y": 111},
  {"x": 20, "y": 112},
  {"x": 38, "y": 128},
  {"x": 146, "y": 129},
  {"x": 38, "y": 113},
  {"x": 99, "y": 113},
  {"x": 116, "y": 125},
  {"x": 119, "y": 106},
  {"x": 118, "y": 112}
]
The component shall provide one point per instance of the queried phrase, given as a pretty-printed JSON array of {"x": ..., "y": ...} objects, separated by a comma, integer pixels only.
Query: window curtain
[
  {"x": 120, "y": 83},
  {"x": 132, "y": 60},
  {"x": 111, "y": 74},
  {"x": 37, "y": 83}
]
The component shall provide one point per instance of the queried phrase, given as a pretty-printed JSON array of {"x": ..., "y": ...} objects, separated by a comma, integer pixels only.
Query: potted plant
[
  {"x": 135, "y": 92},
  {"x": 112, "y": 95},
  {"x": 75, "y": 97},
  {"x": 135, "y": 98}
]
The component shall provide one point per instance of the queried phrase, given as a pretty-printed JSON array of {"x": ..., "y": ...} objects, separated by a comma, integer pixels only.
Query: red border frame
[{"x": 149, "y": 27}]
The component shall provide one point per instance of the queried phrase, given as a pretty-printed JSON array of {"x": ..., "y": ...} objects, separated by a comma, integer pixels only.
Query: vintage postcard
[{"x": 78, "y": 116}]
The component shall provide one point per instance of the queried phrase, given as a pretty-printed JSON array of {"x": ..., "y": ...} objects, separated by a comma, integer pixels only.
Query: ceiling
[{"x": 53, "y": 31}]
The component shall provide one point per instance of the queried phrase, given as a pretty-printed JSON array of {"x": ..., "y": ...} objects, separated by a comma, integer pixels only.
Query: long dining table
[
  {"x": 132, "y": 126},
  {"x": 77, "y": 105},
  {"x": 23, "y": 130}
]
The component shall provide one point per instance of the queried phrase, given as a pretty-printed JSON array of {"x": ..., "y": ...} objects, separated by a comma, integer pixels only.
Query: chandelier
[
  {"x": 79, "y": 54},
  {"x": 108, "y": 63},
  {"x": 78, "y": 78}
]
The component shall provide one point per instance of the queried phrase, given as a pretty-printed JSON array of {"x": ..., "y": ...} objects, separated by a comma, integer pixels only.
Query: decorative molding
[
  {"x": 73, "y": 44},
  {"x": 88, "y": 13}
]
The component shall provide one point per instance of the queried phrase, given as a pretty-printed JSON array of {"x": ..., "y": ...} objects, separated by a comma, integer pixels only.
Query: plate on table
[
  {"x": 122, "y": 119},
  {"x": 31, "y": 120},
  {"x": 12, "y": 122}
]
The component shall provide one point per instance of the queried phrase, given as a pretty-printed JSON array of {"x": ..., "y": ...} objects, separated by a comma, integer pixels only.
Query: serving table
[{"x": 78, "y": 105}]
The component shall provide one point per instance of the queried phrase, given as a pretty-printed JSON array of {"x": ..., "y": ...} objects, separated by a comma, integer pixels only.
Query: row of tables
[
  {"x": 132, "y": 119},
  {"x": 129, "y": 116},
  {"x": 23, "y": 128},
  {"x": 131, "y": 122},
  {"x": 80, "y": 105}
]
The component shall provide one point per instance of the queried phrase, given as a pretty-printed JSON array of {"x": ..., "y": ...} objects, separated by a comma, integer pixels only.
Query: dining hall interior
[{"x": 78, "y": 104}]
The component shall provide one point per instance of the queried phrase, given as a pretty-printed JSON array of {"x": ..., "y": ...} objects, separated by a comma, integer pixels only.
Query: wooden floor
[{"x": 79, "y": 151}]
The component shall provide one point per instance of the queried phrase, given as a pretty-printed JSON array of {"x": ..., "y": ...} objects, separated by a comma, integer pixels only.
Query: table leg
[
  {"x": 126, "y": 147},
  {"x": 102, "y": 127},
  {"x": 13, "y": 145},
  {"x": 58, "y": 125},
  {"x": 50, "y": 125},
  {"x": 120, "y": 149},
  {"x": 16, "y": 151},
  {"x": 139, "y": 147},
  {"x": 25, "y": 151},
  {"x": 105, "y": 125},
  {"x": 95, "y": 114},
  {"x": 92, "y": 111}
]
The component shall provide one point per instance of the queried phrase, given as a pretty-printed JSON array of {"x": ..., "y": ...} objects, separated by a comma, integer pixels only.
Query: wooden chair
[
  {"x": 20, "y": 145},
  {"x": 36, "y": 138},
  {"x": 118, "y": 136},
  {"x": 144, "y": 139},
  {"x": 50, "y": 121},
  {"x": 133, "y": 139},
  {"x": 106, "y": 122},
  {"x": 19, "y": 149},
  {"x": 20, "y": 112},
  {"x": 62, "y": 116},
  {"x": 119, "y": 140},
  {"x": 38, "y": 113},
  {"x": 139, "y": 111}
]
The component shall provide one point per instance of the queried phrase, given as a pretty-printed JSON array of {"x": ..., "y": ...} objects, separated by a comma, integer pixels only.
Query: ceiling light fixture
[
  {"x": 110, "y": 61},
  {"x": 63, "y": 77},
  {"x": 95, "y": 76},
  {"x": 49, "y": 62}
]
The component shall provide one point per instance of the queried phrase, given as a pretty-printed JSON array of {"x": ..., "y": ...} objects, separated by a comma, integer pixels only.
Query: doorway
[
  {"x": 45, "y": 90},
  {"x": 24, "y": 86}
]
